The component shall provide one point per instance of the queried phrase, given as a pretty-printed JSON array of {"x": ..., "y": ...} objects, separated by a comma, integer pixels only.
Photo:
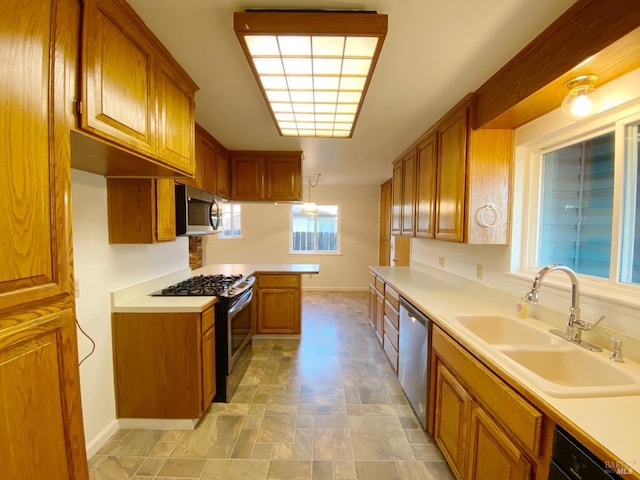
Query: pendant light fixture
[
  {"x": 582, "y": 99},
  {"x": 310, "y": 208}
]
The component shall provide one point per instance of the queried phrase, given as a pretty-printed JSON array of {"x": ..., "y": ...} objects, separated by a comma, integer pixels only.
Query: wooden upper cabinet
[
  {"x": 34, "y": 155},
  {"x": 426, "y": 167},
  {"x": 223, "y": 172},
  {"x": 134, "y": 93},
  {"x": 451, "y": 171},
  {"x": 473, "y": 180},
  {"x": 266, "y": 176},
  {"x": 396, "y": 198},
  {"x": 141, "y": 210},
  {"x": 283, "y": 178},
  {"x": 118, "y": 73},
  {"x": 176, "y": 118},
  {"x": 408, "y": 227},
  {"x": 205, "y": 156},
  {"x": 247, "y": 177}
]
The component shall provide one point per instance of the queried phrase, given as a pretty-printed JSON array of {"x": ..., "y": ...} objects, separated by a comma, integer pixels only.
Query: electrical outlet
[
  {"x": 479, "y": 271},
  {"x": 441, "y": 262}
]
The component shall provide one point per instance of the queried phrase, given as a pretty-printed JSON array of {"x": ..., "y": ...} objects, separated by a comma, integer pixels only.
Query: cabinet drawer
[
  {"x": 206, "y": 319},
  {"x": 392, "y": 313},
  {"x": 278, "y": 281},
  {"x": 391, "y": 352},
  {"x": 392, "y": 296},
  {"x": 390, "y": 333},
  {"x": 372, "y": 279},
  {"x": 514, "y": 413},
  {"x": 379, "y": 284}
]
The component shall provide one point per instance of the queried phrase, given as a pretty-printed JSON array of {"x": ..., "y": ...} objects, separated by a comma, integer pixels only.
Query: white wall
[
  {"x": 265, "y": 231},
  {"x": 99, "y": 269},
  {"x": 622, "y": 317}
]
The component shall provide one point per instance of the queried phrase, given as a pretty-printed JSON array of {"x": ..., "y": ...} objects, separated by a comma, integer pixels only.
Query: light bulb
[{"x": 581, "y": 100}]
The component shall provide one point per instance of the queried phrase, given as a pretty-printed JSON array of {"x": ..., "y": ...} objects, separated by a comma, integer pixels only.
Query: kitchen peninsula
[{"x": 184, "y": 339}]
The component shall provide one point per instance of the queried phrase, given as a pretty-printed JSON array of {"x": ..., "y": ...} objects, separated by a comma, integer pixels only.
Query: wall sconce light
[
  {"x": 308, "y": 207},
  {"x": 582, "y": 99}
]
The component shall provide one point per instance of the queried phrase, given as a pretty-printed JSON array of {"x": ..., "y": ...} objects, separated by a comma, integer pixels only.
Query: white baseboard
[
  {"x": 276, "y": 336},
  {"x": 159, "y": 423},
  {"x": 97, "y": 442},
  {"x": 335, "y": 289}
]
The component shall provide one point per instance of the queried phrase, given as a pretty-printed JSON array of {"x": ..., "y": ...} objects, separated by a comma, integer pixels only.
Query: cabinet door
[
  {"x": 205, "y": 161},
  {"x": 492, "y": 455},
  {"x": 426, "y": 167},
  {"x": 278, "y": 310},
  {"x": 165, "y": 210},
  {"x": 408, "y": 195},
  {"x": 176, "y": 120},
  {"x": 380, "y": 316},
  {"x": 119, "y": 101},
  {"x": 34, "y": 153},
  {"x": 247, "y": 177},
  {"x": 283, "y": 178},
  {"x": 208, "y": 368},
  {"x": 396, "y": 199},
  {"x": 384, "y": 254},
  {"x": 451, "y": 174},
  {"x": 372, "y": 306},
  {"x": 40, "y": 402},
  {"x": 223, "y": 177},
  {"x": 451, "y": 420}
]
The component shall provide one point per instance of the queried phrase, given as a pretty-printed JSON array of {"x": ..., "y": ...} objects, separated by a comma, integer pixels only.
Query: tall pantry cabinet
[{"x": 41, "y": 432}]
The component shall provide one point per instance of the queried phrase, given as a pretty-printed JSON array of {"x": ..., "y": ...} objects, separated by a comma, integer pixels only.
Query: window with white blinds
[
  {"x": 585, "y": 197},
  {"x": 577, "y": 206}
]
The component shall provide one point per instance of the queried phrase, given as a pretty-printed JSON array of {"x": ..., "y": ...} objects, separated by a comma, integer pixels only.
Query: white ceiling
[{"x": 435, "y": 52}]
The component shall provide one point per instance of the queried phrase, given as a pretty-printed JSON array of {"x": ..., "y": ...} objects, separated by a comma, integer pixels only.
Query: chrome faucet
[{"x": 575, "y": 325}]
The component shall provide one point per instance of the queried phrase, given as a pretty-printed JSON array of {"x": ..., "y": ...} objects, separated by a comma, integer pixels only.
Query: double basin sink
[{"x": 556, "y": 366}]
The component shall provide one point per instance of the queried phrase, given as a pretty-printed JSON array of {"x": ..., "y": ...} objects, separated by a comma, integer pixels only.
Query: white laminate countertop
[
  {"x": 137, "y": 299},
  {"x": 613, "y": 422},
  {"x": 247, "y": 269}
]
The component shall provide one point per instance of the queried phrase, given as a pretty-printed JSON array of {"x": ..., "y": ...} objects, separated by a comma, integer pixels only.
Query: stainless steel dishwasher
[{"x": 413, "y": 361}]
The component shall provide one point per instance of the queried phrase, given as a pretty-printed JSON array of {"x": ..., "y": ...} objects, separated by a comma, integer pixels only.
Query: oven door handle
[{"x": 243, "y": 302}]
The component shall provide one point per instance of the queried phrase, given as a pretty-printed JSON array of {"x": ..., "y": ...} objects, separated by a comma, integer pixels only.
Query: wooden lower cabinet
[
  {"x": 453, "y": 405},
  {"x": 485, "y": 429},
  {"x": 41, "y": 429},
  {"x": 492, "y": 455},
  {"x": 279, "y": 305},
  {"x": 164, "y": 364},
  {"x": 379, "y": 315}
]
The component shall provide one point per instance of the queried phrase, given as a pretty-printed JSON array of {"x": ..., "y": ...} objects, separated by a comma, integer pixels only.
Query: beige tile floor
[{"x": 326, "y": 406}]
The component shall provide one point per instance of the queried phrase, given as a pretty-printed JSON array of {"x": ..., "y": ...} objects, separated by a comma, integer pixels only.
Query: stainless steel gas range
[{"x": 233, "y": 327}]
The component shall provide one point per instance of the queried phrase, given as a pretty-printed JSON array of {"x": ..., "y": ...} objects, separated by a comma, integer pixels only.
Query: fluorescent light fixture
[{"x": 313, "y": 67}]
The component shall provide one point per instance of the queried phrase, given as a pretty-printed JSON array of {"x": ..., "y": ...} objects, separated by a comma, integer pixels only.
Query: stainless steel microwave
[{"x": 197, "y": 212}]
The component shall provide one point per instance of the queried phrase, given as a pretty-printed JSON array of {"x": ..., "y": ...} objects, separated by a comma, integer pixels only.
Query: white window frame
[
  {"x": 525, "y": 233},
  {"x": 324, "y": 253},
  {"x": 231, "y": 237}
]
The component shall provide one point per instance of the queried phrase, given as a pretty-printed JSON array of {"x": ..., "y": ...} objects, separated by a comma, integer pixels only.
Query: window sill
[
  {"x": 602, "y": 290},
  {"x": 320, "y": 254}
]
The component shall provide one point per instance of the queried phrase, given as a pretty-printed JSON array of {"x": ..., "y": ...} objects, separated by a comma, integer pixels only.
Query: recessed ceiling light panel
[{"x": 313, "y": 67}]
